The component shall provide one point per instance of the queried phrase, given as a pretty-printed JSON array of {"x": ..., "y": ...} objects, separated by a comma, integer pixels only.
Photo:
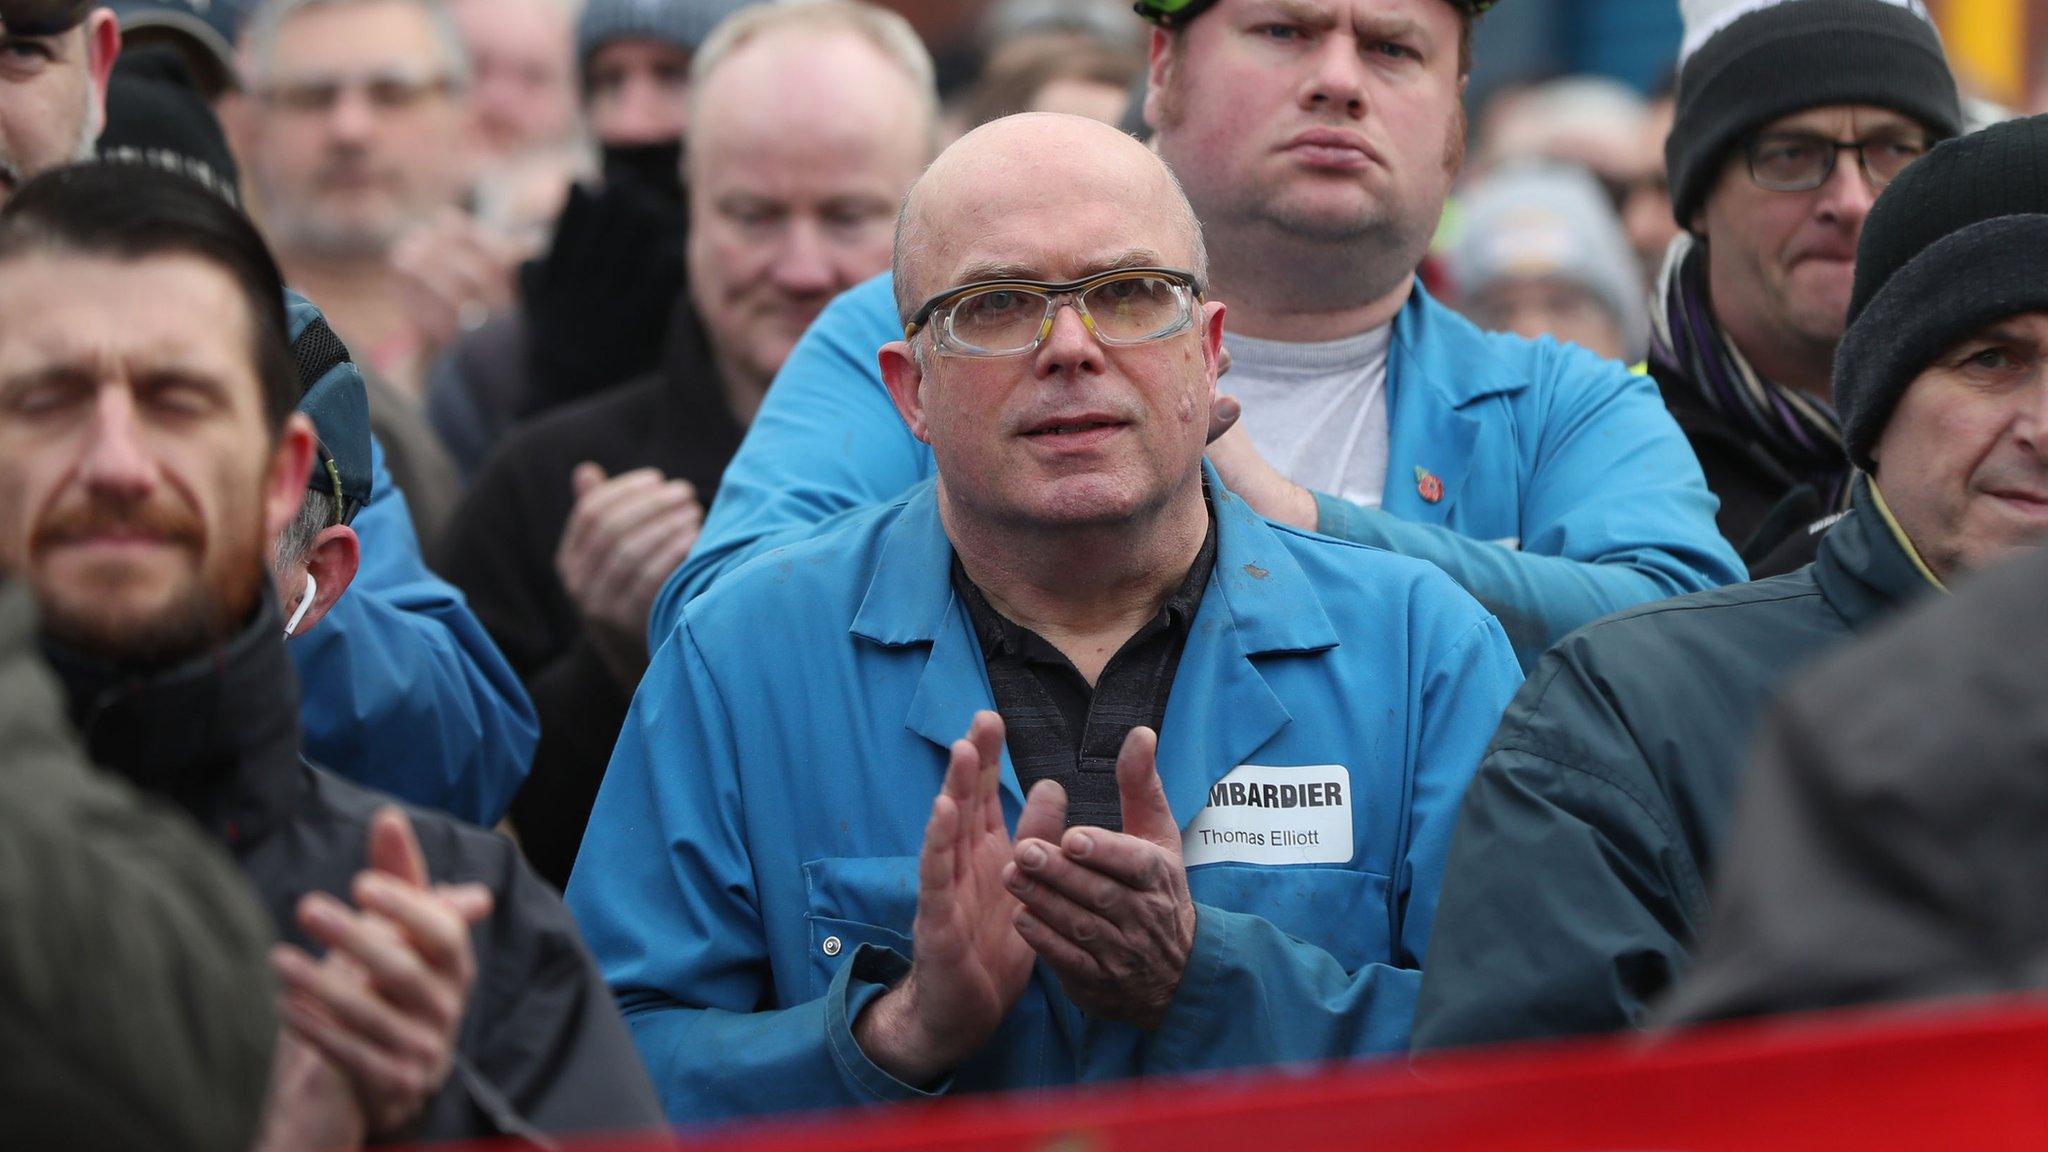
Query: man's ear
[
  {"x": 1210, "y": 317},
  {"x": 904, "y": 377},
  {"x": 1159, "y": 64},
  {"x": 102, "y": 46},
  {"x": 284, "y": 484},
  {"x": 332, "y": 562}
]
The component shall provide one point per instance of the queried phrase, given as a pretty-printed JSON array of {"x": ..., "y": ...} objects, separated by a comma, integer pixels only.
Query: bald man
[{"x": 1241, "y": 745}]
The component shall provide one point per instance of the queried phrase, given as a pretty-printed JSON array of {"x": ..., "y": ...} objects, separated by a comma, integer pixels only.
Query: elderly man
[
  {"x": 148, "y": 454},
  {"x": 405, "y": 692},
  {"x": 579, "y": 516},
  {"x": 357, "y": 138},
  {"x": 1790, "y": 121},
  {"x": 789, "y": 921},
  {"x": 1317, "y": 140},
  {"x": 1578, "y": 877}
]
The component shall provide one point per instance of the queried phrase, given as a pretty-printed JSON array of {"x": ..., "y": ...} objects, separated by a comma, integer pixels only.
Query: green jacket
[
  {"x": 1578, "y": 873},
  {"x": 135, "y": 998}
]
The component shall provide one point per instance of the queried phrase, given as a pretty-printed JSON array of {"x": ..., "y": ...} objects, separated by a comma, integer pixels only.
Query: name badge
[{"x": 1260, "y": 815}]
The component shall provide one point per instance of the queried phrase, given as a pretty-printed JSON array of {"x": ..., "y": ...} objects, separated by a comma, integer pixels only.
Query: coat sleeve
[
  {"x": 1614, "y": 513},
  {"x": 1252, "y": 995},
  {"x": 403, "y": 690},
  {"x": 665, "y": 894},
  {"x": 1570, "y": 895},
  {"x": 826, "y": 440}
]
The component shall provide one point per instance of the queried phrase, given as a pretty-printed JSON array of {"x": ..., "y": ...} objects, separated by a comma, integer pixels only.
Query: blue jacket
[
  {"x": 748, "y": 881},
  {"x": 403, "y": 691},
  {"x": 1568, "y": 492}
]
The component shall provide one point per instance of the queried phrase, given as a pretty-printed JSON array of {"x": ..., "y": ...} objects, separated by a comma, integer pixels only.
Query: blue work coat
[
  {"x": 749, "y": 879},
  {"x": 1564, "y": 491},
  {"x": 402, "y": 690}
]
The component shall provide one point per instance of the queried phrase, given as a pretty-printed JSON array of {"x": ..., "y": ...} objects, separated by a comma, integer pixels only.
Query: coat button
[{"x": 832, "y": 945}]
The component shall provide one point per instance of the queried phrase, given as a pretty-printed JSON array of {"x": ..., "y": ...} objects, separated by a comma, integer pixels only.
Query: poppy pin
[{"x": 1428, "y": 485}]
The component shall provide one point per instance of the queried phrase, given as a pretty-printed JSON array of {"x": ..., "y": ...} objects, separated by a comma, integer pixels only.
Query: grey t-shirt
[{"x": 1317, "y": 412}]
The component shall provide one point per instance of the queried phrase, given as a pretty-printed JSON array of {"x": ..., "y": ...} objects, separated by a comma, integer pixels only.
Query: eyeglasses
[
  {"x": 387, "y": 91},
  {"x": 1800, "y": 163},
  {"x": 1011, "y": 317}
]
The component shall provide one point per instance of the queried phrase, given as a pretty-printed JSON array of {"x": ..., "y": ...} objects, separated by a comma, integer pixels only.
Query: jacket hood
[{"x": 217, "y": 734}]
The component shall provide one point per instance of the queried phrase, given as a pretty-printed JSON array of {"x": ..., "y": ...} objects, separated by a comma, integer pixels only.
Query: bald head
[{"x": 963, "y": 219}]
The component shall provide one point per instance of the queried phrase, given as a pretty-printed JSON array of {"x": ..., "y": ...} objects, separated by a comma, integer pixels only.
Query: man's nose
[
  {"x": 1071, "y": 346},
  {"x": 1337, "y": 78},
  {"x": 117, "y": 460},
  {"x": 351, "y": 117},
  {"x": 803, "y": 262},
  {"x": 1847, "y": 194}
]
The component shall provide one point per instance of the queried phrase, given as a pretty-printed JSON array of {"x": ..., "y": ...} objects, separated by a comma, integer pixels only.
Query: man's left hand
[{"x": 1110, "y": 912}]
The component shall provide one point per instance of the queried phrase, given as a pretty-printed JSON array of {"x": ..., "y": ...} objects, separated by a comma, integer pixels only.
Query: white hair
[
  {"x": 889, "y": 33},
  {"x": 271, "y": 15}
]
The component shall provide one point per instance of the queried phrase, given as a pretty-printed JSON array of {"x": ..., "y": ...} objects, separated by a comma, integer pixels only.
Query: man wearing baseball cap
[
  {"x": 1791, "y": 119},
  {"x": 202, "y": 32},
  {"x": 53, "y": 101},
  {"x": 1317, "y": 141},
  {"x": 1588, "y": 841}
]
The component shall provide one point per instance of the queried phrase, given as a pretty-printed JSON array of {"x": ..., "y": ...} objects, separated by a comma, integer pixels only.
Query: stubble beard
[{"x": 216, "y": 602}]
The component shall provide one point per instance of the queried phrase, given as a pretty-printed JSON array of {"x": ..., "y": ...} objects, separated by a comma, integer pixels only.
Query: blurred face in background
[
  {"x": 1548, "y": 305},
  {"x": 794, "y": 187},
  {"x": 637, "y": 92},
  {"x": 52, "y": 96},
  {"x": 358, "y": 130},
  {"x": 522, "y": 58}
]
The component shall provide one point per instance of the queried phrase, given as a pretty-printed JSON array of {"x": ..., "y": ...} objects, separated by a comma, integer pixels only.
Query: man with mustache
[
  {"x": 1791, "y": 120},
  {"x": 1578, "y": 877},
  {"x": 1241, "y": 743},
  {"x": 407, "y": 693},
  {"x": 149, "y": 456},
  {"x": 1318, "y": 140}
]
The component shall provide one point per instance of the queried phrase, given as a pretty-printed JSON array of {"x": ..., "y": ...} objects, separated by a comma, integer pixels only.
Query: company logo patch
[{"x": 1260, "y": 815}]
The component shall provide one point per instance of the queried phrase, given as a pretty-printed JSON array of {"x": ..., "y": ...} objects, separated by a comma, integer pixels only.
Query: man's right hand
[
  {"x": 626, "y": 535},
  {"x": 970, "y": 965}
]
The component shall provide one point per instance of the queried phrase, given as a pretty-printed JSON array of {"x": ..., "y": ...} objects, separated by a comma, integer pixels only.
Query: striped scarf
[{"x": 1799, "y": 431}]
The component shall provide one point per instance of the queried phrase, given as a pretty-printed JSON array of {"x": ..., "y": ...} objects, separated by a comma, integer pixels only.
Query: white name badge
[{"x": 1261, "y": 815}]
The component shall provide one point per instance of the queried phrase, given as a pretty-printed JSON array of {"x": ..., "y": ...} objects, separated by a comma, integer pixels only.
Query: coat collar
[
  {"x": 217, "y": 734},
  {"x": 1258, "y": 602},
  {"x": 1438, "y": 367},
  {"x": 1863, "y": 570}
]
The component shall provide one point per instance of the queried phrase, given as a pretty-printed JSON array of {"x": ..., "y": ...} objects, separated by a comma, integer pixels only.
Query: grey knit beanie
[{"x": 681, "y": 23}]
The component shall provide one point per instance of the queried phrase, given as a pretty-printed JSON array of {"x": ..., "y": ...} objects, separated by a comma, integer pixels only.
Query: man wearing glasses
[
  {"x": 1241, "y": 744},
  {"x": 1317, "y": 140},
  {"x": 1790, "y": 122},
  {"x": 356, "y": 140}
]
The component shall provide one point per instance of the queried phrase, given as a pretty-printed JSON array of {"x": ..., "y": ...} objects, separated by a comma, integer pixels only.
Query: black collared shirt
[{"x": 1058, "y": 727}]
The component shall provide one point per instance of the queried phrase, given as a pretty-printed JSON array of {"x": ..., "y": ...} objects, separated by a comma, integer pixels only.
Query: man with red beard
[{"x": 149, "y": 457}]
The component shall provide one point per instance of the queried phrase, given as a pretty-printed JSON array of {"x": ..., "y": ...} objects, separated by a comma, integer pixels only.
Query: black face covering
[
  {"x": 42, "y": 17},
  {"x": 652, "y": 167}
]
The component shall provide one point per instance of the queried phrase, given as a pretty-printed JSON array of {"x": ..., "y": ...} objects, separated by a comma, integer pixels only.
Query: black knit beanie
[
  {"x": 1796, "y": 55},
  {"x": 1956, "y": 243},
  {"x": 156, "y": 115}
]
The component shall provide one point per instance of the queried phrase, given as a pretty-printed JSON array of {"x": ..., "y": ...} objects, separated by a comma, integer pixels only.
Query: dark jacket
[
  {"x": 500, "y": 550},
  {"x": 1773, "y": 519},
  {"x": 541, "y": 1045},
  {"x": 136, "y": 1004},
  {"x": 1578, "y": 874},
  {"x": 1890, "y": 840}
]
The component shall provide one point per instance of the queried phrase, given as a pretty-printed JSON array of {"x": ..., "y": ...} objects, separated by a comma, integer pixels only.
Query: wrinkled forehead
[{"x": 42, "y": 17}]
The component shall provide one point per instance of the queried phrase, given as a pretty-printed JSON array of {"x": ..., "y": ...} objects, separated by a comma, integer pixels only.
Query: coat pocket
[
  {"x": 1345, "y": 913},
  {"x": 855, "y": 900}
]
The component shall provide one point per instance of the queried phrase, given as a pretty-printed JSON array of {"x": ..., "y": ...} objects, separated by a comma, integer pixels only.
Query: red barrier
[{"x": 1954, "y": 1081}]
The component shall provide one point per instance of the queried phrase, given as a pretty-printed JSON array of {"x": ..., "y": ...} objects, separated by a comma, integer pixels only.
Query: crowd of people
[{"x": 573, "y": 566}]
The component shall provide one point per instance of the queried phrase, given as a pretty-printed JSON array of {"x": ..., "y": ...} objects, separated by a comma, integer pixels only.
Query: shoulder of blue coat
[
  {"x": 1360, "y": 584},
  {"x": 866, "y": 310},
  {"x": 814, "y": 585},
  {"x": 1466, "y": 362}
]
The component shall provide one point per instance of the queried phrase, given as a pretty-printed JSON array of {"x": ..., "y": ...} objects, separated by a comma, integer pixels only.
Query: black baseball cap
[
  {"x": 43, "y": 17},
  {"x": 1176, "y": 13},
  {"x": 203, "y": 32}
]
